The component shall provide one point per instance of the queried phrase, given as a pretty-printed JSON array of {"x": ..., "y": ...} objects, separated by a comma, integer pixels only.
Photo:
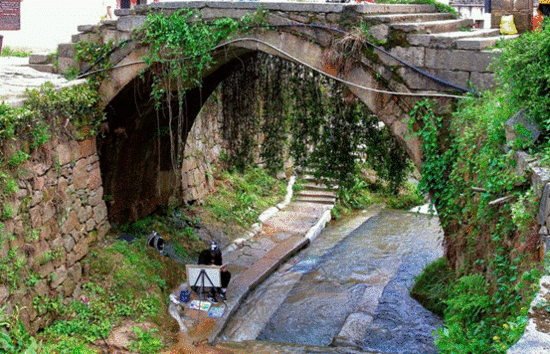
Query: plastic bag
[{"x": 507, "y": 25}]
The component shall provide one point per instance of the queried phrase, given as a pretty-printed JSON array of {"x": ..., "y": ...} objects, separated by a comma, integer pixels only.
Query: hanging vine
[{"x": 180, "y": 53}]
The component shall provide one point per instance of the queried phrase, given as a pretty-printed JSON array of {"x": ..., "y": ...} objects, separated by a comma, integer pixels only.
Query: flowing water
[{"x": 348, "y": 292}]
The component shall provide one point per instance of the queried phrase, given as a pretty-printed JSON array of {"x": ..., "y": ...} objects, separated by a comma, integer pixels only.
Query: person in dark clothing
[
  {"x": 544, "y": 8},
  {"x": 213, "y": 256}
]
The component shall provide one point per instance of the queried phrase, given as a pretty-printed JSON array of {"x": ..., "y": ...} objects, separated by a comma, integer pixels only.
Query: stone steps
[
  {"x": 411, "y": 18},
  {"x": 42, "y": 62},
  {"x": 315, "y": 192},
  {"x": 368, "y": 8},
  {"x": 315, "y": 196},
  {"x": 433, "y": 26},
  {"x": 481, "y": 43},
  {"x": 448, "y": 40}
]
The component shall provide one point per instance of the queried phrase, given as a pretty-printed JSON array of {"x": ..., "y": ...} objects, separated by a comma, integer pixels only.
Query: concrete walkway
[
  {"x": 16, "y": 77},
  {"x": 282, "y": 231}
]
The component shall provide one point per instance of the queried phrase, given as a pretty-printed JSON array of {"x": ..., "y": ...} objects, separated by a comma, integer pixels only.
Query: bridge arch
[{"x": 373, "y": 82}]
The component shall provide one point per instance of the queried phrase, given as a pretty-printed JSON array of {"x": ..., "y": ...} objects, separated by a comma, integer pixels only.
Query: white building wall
[{"x": 47, "y": 23}]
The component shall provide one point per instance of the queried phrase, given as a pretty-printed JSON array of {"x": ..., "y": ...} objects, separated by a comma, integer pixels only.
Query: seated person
[{"x": 213, "y": 256}]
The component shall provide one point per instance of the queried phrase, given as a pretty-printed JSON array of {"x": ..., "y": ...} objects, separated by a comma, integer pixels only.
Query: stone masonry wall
[
  {"x": 202, "y": 150},
  {"x": 57, "y": 212}
]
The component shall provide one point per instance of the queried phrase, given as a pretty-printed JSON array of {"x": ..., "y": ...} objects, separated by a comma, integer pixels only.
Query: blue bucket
[{"x": 185, "y": 296}]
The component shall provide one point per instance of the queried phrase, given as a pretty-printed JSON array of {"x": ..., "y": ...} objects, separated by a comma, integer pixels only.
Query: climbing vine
[
  {"x": 492, "y": 253},
  {"x": 179, "y": 55}
]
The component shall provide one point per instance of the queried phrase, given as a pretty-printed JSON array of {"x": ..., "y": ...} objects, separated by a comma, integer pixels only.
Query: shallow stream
[{"x": 348, "y": 290}]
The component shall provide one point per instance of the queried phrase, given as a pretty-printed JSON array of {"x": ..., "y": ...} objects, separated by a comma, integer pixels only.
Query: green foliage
[
  {"x": 147, "y": 341},
  {"x": 180, "y": 52},
  {"x": 15, "y": 52},
  {"x": 522, "y": 70},
  {"x": 92, "y": 53},
  {"x": 9, "y": 184},
  {"x": 14, "y": 338},
  {"x": 430, "y": 287},
  {"x": 7, "y": 211},
  {"x": 18, "y": 158},
  {"x": 332, "y": 132},
  {"x": 486, "y": 302},
  {"x": 77, "y": 104},
  {"x": 241, "y": 197}
]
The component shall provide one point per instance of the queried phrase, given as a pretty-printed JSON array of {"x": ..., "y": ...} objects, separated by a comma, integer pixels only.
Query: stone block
[
  {"x": 45, "y": 232},
  {"x": 464, "y": 60},
  {"x": 539, "y": 179},
  {"x": 520, "y": 121},
  {"x": 417, "y": 81},
  {"x": 80, "y": 175},
  {"x": 129, "y": 23},
  {"x": 411, "y": 55},
  {"x": 123, "y": 12},
  {"x": 66, "y": 50},
  {"x": 41, "y": 288},
  {"x": 90, "y": 225},
  {"x": 38, "y": 183},
  {"x": 482, "y": 81},
  {"x": 39, "y": 58},
  {"x": 94, "y": 179},
  {"x": 86, "y": 37},
  {"x": 95, "y": 196},
  {"x": 59, "y": 276},
  {"x": 45, "y": 269},
  {"x": 103, "y": 229},
  {"x": 4, "y": 293},
  {"x": 299, "y": 18},
  {"x": 64, "y": 155},
  {"x": 100, "y": 212},
  {"x": 110, "y": 36},
  {"x": 36, "y": 217},
  {"x": 75, "y": 272},
  {"x": 48, "y": 212},
  {"x": 86, "y": 28},
  {"x": 87, "y": 147},
  {"x": 68, "y": 243},
  {"x": 544, "y": 207},
  {"x": 380, "y": 32},
  {"x": 65, "y": 64},
  {"x": 36, "y": 198},
  {"x": 44, "y": 68},
  {"x": 71, "y": 223},
  {"x": 79, "y": 251}
]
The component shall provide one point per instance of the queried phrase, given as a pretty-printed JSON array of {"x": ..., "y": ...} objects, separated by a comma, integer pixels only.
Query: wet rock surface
[
  {"x": 349, "y": 290},
  {"x": 400, "y": 323}
]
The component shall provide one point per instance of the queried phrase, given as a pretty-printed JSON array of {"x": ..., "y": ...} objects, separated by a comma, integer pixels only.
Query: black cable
[
  {"x": 337, "y": 30},
  {"x": 101, "y": 58},
  {"x": 410, "y": 66}
]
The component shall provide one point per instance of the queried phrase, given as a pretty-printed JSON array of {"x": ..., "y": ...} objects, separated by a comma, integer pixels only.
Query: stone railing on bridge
[{"x": 435, "y": 43}]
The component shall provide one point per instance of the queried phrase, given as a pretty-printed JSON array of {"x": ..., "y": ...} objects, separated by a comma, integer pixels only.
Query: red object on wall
[
  {"x": 537, "y": 20},
  {"x": 10, "y": 15}
]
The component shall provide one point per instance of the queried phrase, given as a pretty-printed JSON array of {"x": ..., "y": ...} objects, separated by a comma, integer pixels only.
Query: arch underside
[{"x": 138, "y": 174}]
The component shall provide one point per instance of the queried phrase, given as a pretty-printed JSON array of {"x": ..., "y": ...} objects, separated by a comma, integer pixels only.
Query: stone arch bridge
[{"x": 425, "y": 54}]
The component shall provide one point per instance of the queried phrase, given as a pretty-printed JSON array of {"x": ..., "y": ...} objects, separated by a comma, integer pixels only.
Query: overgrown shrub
[{"x": 522, "y": 68}]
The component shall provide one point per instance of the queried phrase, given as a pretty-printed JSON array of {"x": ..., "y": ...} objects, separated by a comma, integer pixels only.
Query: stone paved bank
[{"x": 281, "y": 231}]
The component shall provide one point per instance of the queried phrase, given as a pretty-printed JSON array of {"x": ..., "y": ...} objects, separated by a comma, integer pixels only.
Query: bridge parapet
[{"x": 435, "y": 43}]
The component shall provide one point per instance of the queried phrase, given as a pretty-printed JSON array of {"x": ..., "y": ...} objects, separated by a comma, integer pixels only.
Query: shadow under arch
[{"x": 137, "y": 171}]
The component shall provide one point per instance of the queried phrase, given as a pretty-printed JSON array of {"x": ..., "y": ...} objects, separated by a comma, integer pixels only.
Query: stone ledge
[{"x": 534, "y": 340}]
